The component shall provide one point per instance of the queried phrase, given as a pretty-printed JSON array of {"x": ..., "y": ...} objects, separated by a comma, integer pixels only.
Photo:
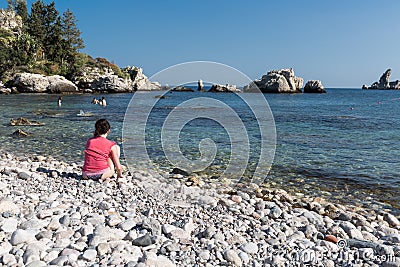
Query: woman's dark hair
[{"x": 101, "y": 127}]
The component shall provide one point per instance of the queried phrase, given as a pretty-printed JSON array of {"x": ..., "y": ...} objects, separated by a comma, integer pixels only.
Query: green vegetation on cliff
[{"x": 44, "y": 42}]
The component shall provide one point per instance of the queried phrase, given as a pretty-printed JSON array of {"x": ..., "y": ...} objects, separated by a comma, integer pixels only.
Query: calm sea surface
[{"x": 343, "y": 145}]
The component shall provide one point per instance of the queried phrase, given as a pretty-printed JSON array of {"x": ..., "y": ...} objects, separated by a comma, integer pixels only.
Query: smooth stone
[
  {"x": 9, "y": 259},
  {"x": 391, "y": 219},
  {"x": 86, "y": 230},
  {"x": 159, "y": 261},
  {"x": 9, "y": 225},
  {"x": 168, "y": 228},
  {"x": 244, "y": 257},
  {"x": 250, "y": 248},
  {"x": 152, "y": 225},
  {"x": 143, "y": 241},
  {"x": 206, "y": 200},
  {"x": 24, "y": 176},
  {"x": 232, "y": 257},
  {"x": 8, "y": 206},
  {"x": 21, "y": 236},
  {"x": 5, "y": 248},
  {"x": 113, "y": 220},
  {"x": 90, "y": 254},
  {"x": 52, "y": 255},
  {"x": 103, "y": 249},
  {"x": 204, "y": 255},
  {"x": 104, "y": 205},
  {"x": 127, "y": 225},
  {"x": 275, "y": 212},
  {"x": 37, "y": 263},
  {"x": 60, "y": 261}
]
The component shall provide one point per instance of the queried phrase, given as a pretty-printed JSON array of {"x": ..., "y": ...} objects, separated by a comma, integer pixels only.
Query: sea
[{"x": 343, "y": 146}]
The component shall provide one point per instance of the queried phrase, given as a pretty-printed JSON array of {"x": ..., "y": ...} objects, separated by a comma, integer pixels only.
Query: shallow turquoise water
[{"x": 341, "y": 145}]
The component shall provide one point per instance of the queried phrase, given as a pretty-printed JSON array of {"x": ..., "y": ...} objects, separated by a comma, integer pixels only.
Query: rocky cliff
[
  {"x": 314, "y": 86},
  {"x": 384, "y": 82},
  {"x": 10, "y": 21},
  {"x": 94, "y": 79},
  {"x": 277, "y": 81}
]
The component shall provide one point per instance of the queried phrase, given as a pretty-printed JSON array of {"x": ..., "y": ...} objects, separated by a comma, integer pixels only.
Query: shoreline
[{"x": 48, "y": 216}]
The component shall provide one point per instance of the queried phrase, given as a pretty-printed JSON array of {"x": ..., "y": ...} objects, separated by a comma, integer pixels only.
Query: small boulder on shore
[
  {"x": 314, "y": 86},
  {"x": 277, "y": 81}
]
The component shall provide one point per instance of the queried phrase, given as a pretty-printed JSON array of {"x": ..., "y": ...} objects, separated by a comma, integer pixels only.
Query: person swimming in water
[
  {"x": 95, "y": 101},
  {"x": 60, "y": 101},
  {"x": 103, "y": 101}
]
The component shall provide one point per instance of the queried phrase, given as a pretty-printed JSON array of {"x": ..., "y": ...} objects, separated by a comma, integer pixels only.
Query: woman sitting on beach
[{"x": 101, "y": 154}]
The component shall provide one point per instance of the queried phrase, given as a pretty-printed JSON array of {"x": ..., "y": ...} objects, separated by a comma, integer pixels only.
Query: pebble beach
[{"x": 49, "y": 216}]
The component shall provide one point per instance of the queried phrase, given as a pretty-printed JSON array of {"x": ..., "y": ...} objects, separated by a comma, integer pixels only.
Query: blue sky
[{"x": 343, "y": 43}]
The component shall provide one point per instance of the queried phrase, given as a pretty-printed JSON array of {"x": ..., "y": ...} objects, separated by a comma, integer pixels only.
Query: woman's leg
[
  {"x": 110, "y": 172},
  {"x": 114, "y": 155}
]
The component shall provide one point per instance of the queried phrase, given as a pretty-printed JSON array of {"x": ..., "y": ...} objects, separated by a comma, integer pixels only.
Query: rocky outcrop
[
  {"x": 37, "y": 83},
  {"x": 182, "y": 89},
  {"x": 140, "y": 81},
  {"x": 394, "y": 85},
  {"x": 200, "y": 85},
  {"x": 105, "y": 80},
  {"x": 10, "y": 21},
  {"x": 4, "y": 90},
  {"x": 112, "y": 84},
  {"x": 277, "y": 81},
  {"x": 59, "y": 84},
  {"x": 385, "y": 83},
  {"x": 314, "y": 86},
  {"x": 94, "y": 79},
  {"x": 227, "y": 88}
]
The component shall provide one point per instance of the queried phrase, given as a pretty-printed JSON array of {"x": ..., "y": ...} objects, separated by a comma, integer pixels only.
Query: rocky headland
[
  {"x": 50, "y": 217},
  {"x": 283, "y": 81},
  {"x": 384, "y": 82},
  {"x": 88, "y": 80}
]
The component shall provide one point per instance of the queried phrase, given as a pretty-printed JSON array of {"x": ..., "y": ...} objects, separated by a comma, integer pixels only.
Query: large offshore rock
[
  {"x": 140, "y": 81},
  {"x": 384, "y": 80},
  {"x": 277, "y": 81},
  {"x": 385, "y": 83},
  {"x": 314, "y": 86},
  {"x": 227, "y": 88}
]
